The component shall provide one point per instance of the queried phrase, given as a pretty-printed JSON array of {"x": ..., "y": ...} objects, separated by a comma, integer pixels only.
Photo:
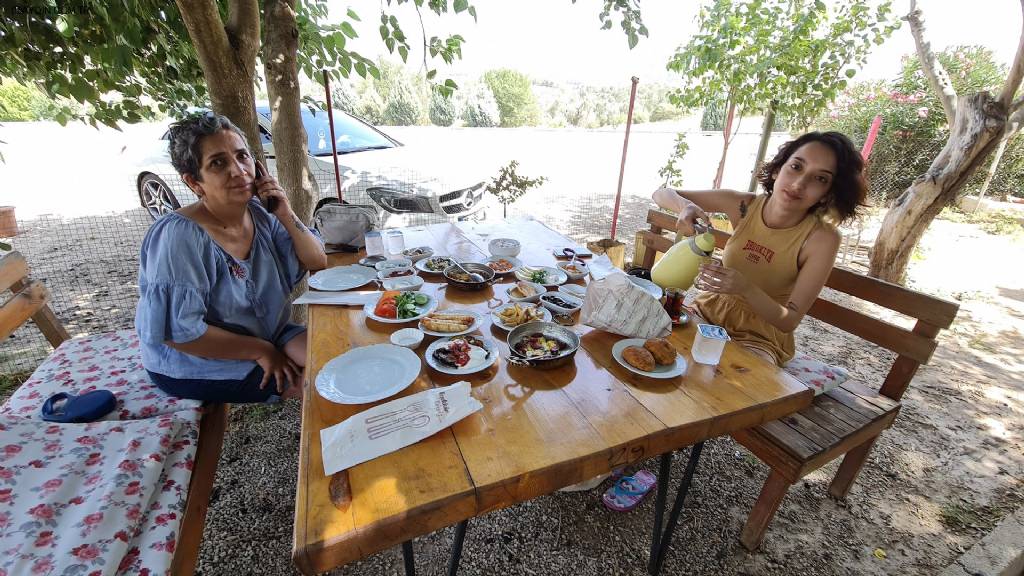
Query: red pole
[
  {"x": 334, "y": 140},
  {"x": 869, "y": 142},
  {"x": 625, "y": 146}
]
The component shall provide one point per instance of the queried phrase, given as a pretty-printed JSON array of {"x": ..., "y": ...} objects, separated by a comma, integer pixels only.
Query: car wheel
[{"x": 156, "y": 197}]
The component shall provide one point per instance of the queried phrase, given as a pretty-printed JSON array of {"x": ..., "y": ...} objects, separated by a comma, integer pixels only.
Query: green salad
[{"x": 407, "y": 303}]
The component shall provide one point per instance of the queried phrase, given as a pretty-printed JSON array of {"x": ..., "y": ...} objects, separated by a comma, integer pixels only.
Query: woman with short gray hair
[{"x": 214, "y": 276}]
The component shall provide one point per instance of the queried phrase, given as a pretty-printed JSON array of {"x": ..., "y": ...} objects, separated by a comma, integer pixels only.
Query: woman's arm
[
  {"x": 819, "y": 249},
  {"x": 221, "y": 344},
  {"x": 694, "y": 204},
  {"x": 308, "y": 248}
]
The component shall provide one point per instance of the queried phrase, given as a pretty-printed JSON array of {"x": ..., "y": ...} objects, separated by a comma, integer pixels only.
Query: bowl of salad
[{"x": 394, "y": 307}]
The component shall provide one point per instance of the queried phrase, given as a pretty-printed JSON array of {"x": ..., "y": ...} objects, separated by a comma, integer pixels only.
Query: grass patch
[
  {"x": 994, "y": 222},
  {"x": 977, "y": 342},
  {"x": 10, "y": 382},
  {"x": 258, "y": 412}
]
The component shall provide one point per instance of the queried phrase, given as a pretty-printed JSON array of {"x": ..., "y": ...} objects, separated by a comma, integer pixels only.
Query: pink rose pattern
[
  {"x": 815, "y": 374},
  {"x": 109, "y": 502},
  {"x": 110, "y": 361}
]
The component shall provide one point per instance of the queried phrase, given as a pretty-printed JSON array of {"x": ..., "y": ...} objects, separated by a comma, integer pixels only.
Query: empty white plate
[
  {"x": 667, "y": 371},
  {"x": 342, "y": 278},
  {"x": 368, "y": 374}
]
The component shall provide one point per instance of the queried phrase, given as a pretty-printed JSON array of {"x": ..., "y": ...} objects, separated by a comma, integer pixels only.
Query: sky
[{"x": 560, "y": 41}]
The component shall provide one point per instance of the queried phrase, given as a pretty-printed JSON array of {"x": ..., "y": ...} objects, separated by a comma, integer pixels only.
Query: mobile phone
[{"x": 269, "y": 203}]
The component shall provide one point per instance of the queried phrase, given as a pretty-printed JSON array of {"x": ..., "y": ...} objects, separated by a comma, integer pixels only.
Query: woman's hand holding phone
[{"x": 268, "y": 190}]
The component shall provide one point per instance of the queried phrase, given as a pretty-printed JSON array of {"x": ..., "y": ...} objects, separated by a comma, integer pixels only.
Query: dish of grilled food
[
  {"x": 662, "y": 351},
  {"x": 442, "y": 322}
]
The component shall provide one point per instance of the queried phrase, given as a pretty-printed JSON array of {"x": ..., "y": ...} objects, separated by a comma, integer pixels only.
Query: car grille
[{"x": 462, "y": 200}]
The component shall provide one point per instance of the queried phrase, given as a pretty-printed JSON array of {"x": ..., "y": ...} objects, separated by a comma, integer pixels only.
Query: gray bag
[{"x": 343, "y": 226}]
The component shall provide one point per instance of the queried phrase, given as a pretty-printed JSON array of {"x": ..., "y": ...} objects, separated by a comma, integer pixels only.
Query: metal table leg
[
  {"x": 662, "y": 540},
  {"x": 460, "y": 535},
  {"x": 409, "y": 557}
]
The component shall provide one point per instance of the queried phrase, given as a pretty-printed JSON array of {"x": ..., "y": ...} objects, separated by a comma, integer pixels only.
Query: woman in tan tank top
[{"x": 785, "y": 240}]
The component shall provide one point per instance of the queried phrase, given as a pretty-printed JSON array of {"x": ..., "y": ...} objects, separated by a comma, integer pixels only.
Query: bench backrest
[
  {"x": 29, "y": 300},
  {"x": 913, "y": 347}
]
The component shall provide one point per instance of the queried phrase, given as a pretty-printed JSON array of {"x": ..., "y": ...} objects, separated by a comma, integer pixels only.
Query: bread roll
[
  {"x": 638, "y": 358},
  {"x": 663, "y": 352}
]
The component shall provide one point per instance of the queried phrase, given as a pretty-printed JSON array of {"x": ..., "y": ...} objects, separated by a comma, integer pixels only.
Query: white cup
[
  {"x": 374, "y": 243},
  {"x": 709, "y": 344},
  {"x": 395, "y": 242}
]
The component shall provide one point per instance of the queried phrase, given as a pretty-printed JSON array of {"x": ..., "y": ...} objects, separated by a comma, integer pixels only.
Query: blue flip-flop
[
  {"x": 89, "y": 407},
  {"x": 628, "y": 491}
]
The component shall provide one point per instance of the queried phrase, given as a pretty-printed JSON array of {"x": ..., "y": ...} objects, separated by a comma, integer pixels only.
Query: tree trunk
[
  {"x": 762, "y": 147},
  {"x": 227, "y": 55},
  {"x": 726, "y": 140},
  {"x": 991, "y": 173},
  {"x": 976, "y": 131},
  {"x": 281, "y": 68}
]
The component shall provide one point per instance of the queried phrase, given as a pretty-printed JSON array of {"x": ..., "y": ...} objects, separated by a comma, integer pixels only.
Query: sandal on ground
[{"x": 629, "y": 491}]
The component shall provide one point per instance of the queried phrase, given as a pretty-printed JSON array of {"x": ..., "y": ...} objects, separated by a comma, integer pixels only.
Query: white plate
[
  {"x": 555, "y": 277},
  {"x": 516, "y": 264},
  {"x": 576, "y": 302},
  {"x": 478, "y": 321},
  {"x": 424, "y": 310},
  {"x": 650, "y": 287},
  {"x": 574, "y": 290},
  {"x": 540, "y": 290},
  {"x": 393, "y": 263},
  {"x": 368, "y": 374},
  {"x": 659, "y": 371},
  {"x": 428, "y": 252},
  {"x": 342, "y": 278},
  {"x": 470, "y": 368},
  {"x": 497, "y": 319},
  {"x": 421, "y": 265}
]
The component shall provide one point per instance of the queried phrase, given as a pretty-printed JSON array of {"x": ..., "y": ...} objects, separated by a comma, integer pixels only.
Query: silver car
[{"x": 405, "y": 186}]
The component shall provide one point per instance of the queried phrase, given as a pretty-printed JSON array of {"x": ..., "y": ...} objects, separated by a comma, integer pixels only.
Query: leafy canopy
[{"x": 796, "y": 54}]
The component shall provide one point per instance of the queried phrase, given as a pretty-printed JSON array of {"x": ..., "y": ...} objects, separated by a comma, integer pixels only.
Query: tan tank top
[{"x": 768, "y": 258}]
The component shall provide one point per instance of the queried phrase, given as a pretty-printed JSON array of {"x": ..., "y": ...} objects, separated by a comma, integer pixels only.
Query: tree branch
[
  {"x": 1016, "y": 71},
  {"x": 202, "y": 19},
  {"x": 243, "y": 28},
  {"x": 933, "y": 69}
]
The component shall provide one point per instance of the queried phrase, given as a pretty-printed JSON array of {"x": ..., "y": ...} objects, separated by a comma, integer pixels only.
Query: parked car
[{"x": 406, "y": 186}]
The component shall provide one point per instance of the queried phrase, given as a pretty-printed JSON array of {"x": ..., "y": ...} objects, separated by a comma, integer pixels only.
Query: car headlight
[{"x": 398, "y": 202}]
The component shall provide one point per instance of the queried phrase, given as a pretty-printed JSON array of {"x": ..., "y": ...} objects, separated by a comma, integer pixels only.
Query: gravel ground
[{"x": 949, "y": 470}]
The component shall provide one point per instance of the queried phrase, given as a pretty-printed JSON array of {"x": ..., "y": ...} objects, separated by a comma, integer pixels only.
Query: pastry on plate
[
  {"x": 662, "y": 351},
  {"x": 639, "y": 358}
]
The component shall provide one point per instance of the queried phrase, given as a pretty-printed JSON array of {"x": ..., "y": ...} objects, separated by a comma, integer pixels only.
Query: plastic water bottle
[{"x": 374, "y": 243}]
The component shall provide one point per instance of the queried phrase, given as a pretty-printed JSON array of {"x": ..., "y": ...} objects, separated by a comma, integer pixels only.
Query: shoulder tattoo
[{"x": 743, "y": 208}]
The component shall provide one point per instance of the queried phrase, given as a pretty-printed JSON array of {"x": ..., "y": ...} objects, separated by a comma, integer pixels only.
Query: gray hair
[{"x": 187, "y": 135}]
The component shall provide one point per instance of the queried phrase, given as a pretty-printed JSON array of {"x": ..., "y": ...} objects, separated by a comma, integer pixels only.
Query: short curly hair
[
  {"x": 849, "y": 188},
  {"x": 186, "y": 138}
]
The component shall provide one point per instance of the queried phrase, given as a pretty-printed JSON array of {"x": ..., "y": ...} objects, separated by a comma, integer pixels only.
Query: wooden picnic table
[{"x": 538, "y": 430}]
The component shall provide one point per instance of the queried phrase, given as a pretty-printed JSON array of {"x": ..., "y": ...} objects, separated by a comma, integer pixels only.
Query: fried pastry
[
  {"x": 662, "y": 351},
  {"x": 638, "y": 358}
]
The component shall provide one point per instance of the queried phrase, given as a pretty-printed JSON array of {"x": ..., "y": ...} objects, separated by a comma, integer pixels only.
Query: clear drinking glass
[
  {"x": 709, "y": 344},
  {"x": 374, "y": 243},
  {"x": 395, "y": 241}
]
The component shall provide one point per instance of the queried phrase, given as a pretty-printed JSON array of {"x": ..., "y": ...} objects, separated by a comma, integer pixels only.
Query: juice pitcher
[{"x": 680, "y": 265}]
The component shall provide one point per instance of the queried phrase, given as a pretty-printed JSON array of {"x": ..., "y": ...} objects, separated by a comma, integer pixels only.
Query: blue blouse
[{"x": 187, "y": 282}]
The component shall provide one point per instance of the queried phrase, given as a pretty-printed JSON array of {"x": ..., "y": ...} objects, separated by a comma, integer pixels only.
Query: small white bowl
[
  {"x": 574, "y": 290},
  {"x": 515, "y": 262},
  {"x": 540, "y": 290},
  {"x": 393, "y": 263},
  {"x": 424, "y": 252},
  {"x": 583, "y": 270},
  {"x": 576, "y": 302},
  {"x": 504, "y": 247},
  {"x": 404, "y": 283},
  {"x": 383, "y": 274},
  {"x": 407, "y": 337}
]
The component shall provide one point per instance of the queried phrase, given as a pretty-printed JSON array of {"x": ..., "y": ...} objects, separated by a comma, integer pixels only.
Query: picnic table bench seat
[
  {"x": 847, "y": 415},
  {"x": 124, "y": 495}
]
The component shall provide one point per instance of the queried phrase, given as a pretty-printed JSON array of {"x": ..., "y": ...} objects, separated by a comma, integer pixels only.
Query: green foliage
[
  {"x": 914, "y": 127},
  {"x": 403, "y": 108},
  {"x": 442, "y": 110},
  {"x": 19, "y": 103},
  {"x": 631, "y": 24},
  {"x": 672, "y": 172},
  {"x": 516, "y": 103},
  {"x": 794, "y": 53},
  {"x": 481, "y": 110},
  {"x": 597, "y": 106},
  {"x": 508, "y": 186}
]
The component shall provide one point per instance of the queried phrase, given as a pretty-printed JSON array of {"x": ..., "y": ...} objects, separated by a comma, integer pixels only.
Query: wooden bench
[
  {"x": 29, "y": 301},
  {"x": 848, "y": 419}
]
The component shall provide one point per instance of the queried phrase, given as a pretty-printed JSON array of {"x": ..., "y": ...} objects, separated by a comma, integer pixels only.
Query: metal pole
[
  {"x": 334, "y": 140},
  {"x": 625, "y": 146}
]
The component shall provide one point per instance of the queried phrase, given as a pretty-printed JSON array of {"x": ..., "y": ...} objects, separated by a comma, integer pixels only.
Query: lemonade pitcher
[{"x": 680, "y": 265}]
